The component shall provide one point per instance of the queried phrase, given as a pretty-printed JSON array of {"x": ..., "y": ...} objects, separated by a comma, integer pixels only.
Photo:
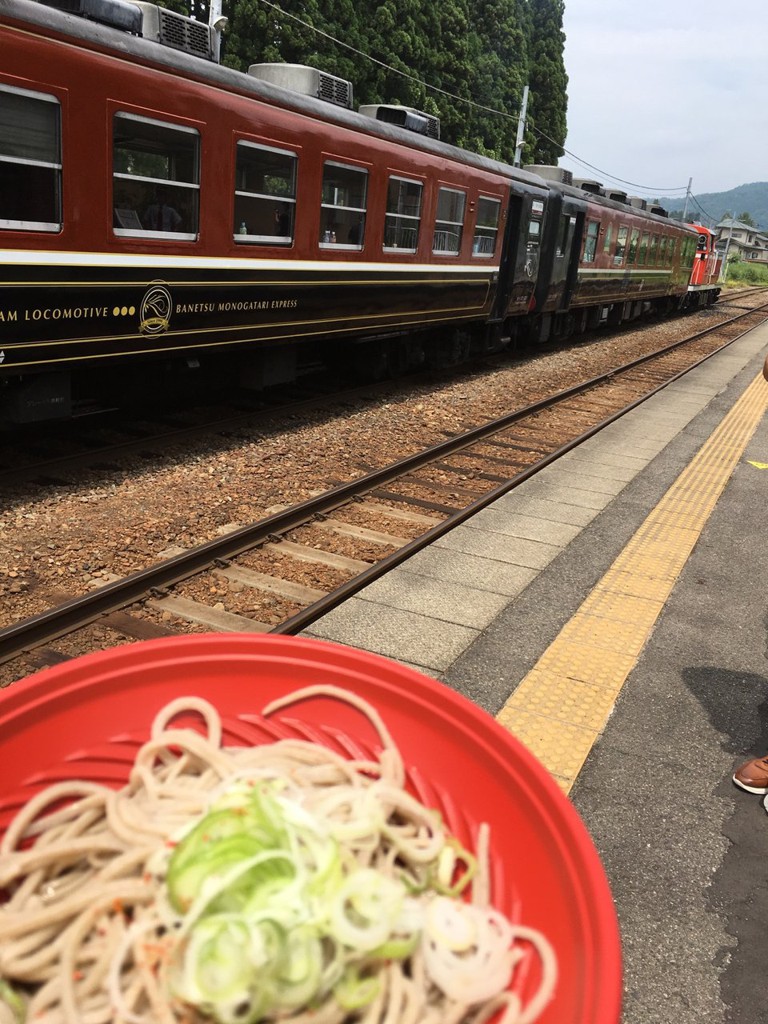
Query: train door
[
  {"x": 522, "y": 246},
  {"x": 572, "y": 251},
  {"x": 514, "y": 214},
  {"x": 547, "y": 280},
  {"x": 557, "y": 266},
  {"x": 533, "y": 239}
]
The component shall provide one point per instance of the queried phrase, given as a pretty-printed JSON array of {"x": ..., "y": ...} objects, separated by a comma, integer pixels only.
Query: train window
[
  {"x": 652, "y": 252},
  {"x": 634, "y": 239},
  {"x": 156, "y": 178},
  {"x": 564, "y": 235},
  {"x": 590, "y": 241},
  {"x": 663, "y": 260},
  {"x": 343, "y": 206},
  {"x": 403, "y": 216},
  {"x": 449, "y": 221},
  {"x": 265, "y": 194},
  {"x": 533, "y": 244},
  {"x": 608, "y": 240},
  {"x": 486, "y": 227},
  {"x": 30, "y": 160},
  {"x": 642, "y": 257},
  {"x": 621, "y": 244}
]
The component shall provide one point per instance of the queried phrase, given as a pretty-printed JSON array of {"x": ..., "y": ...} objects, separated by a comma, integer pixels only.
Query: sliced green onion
[
  {"x": 11, "y": 998},
  {"x": 354, "y": 992},
  {"x": 277, "y": 914}
]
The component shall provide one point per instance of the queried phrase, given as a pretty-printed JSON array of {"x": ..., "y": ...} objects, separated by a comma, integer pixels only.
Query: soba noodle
[{"x": 122, "y": 909}]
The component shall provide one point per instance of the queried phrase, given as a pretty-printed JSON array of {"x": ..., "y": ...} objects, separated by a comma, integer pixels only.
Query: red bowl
[{"x": 86, "y": 718}]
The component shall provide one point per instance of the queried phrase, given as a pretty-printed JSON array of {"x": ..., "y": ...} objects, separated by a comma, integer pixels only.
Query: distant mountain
[{"x": 751, "y": 199}]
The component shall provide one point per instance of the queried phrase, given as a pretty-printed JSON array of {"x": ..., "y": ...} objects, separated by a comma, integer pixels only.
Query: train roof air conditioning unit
[
  {"x": 116, "y": 13},
  {"x": 618, "y": 197},
  {"x": 638, "y": 203},
  {"x": 551, "y": 173},
  {"x": 177, "y": 31},
  {"x": 406, "y": 117},
  {"x": 305, "y": 80},
  {"x": 587, "y": 185},
  {"x": 658, "y": 210}
]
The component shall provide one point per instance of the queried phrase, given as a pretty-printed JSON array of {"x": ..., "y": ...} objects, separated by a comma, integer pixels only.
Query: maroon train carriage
[
  {"x": 609, "y": 258},
  {"x": 155, "y": 203},
  {"x": 155, "y": 206}
]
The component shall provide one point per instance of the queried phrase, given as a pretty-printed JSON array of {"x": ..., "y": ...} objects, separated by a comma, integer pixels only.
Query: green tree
[
  {"x": 548, "y": 81},
  {"x": 395, "y": 34},
  {"x": 260, "y": 34},
  {"x": 746, "y": 218},
  {"x": 450, "y": 68},
  {"x": 459, "y": 62},
  {"x": 182, "y": 7},
  {"x": 500, "y": 62}
]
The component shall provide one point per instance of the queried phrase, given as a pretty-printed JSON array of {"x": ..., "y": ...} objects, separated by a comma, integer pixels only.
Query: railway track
[
  {"x": 740, "y": 293},
  {"x": 733, "y": 299},
  {"x": 385, "y": 515}
]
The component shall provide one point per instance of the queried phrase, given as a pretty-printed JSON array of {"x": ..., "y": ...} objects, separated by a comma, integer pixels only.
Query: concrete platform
[{"x": 612, "y": 613}]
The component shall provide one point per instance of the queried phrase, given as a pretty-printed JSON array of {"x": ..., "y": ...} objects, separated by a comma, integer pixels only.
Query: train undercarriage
[{"x": 64, "y": 393}]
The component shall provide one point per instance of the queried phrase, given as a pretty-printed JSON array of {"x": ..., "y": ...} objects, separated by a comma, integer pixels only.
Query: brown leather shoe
[{"x": 753, "y": 775}]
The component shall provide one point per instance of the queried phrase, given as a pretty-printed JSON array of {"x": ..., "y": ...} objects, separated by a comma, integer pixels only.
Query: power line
[
  {"x": 658, "y": 190},
  {"x": 705, "y": 212}
]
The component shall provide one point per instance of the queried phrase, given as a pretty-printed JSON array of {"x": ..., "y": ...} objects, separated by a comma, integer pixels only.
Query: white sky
[{"x": 660, "y": 91}]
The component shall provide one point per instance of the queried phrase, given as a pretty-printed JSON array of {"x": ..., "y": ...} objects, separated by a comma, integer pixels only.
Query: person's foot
[{"x": 753, "y": 775}]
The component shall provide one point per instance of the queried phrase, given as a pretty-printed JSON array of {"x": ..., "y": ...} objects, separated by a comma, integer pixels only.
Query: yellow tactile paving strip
[{"x": 560, "y": 708}]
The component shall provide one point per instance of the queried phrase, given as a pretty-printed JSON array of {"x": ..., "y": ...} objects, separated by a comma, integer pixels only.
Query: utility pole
[
  {"x": 217, "y": 21},
  {"x": 521, "y": 128},
  {"x": 724, "y": 268},
  {"x": 687, "y": 197}
]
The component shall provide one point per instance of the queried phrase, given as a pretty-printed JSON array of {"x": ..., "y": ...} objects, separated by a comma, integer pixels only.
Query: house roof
[{"x": 729, "y": 222}]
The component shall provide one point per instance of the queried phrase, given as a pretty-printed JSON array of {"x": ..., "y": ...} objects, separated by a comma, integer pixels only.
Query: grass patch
[{"x": 740, "y": 272}]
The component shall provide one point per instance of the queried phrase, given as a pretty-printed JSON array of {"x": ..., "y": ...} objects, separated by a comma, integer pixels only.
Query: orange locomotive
[{"x": 706, "y": 265}]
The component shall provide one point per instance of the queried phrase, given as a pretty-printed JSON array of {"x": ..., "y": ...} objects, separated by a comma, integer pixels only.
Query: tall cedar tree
[
  {"x": 500, "y": 73},
  {"x": 450, "y": 60},
  {"x": 548, "y": 82}
]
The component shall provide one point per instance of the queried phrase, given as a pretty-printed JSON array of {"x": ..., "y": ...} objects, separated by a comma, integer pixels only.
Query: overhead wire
[
  {"x": 657, "y": 189},
  {"x": 706, "y": 213}
]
